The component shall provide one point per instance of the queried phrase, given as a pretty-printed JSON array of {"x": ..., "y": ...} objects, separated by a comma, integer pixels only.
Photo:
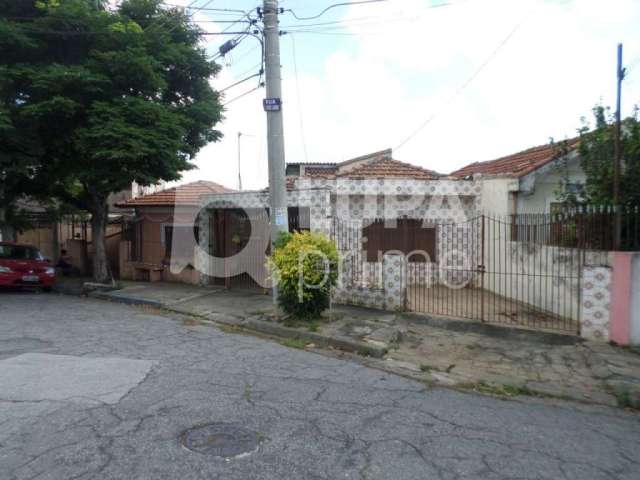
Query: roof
[
  {"x": 187, "y": 194},
  {"x": 517, "y": 164},
  {"x": 313, "y": 163},
  {"x": 373, "y": 165},
  {"x": 386, "y": 167},
  {"x": 387, "y": 153},
  {"x": 324, "y": 171}
]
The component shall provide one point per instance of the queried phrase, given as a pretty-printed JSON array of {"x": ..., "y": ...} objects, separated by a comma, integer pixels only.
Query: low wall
[
  {"x": 546, "y": 277},
  {"x": 611, "y": 300},
  {"x": 386, "y": 293},
  {"x": 596, "y": 302},
  {"x": 624, "y": 325}
]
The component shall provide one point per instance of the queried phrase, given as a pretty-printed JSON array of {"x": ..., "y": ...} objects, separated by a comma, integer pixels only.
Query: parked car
[{"x": 24, "y": 266}]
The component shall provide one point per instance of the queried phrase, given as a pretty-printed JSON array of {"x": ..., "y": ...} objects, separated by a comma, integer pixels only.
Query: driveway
[{"x": 91, "y": 389}]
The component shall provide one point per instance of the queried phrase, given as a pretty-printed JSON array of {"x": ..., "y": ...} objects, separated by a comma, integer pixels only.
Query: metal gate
[{"x": 520, "y": 270}]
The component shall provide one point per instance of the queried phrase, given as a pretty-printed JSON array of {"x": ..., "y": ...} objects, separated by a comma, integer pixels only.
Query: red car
[{"x": 24, "y": 266}]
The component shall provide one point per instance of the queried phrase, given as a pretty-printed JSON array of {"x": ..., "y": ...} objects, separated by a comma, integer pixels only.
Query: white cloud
[{"x": 409, "y": 61}]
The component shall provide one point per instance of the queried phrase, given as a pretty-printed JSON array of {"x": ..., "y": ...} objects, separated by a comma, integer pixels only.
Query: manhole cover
[{"x": 225, "y": 440}]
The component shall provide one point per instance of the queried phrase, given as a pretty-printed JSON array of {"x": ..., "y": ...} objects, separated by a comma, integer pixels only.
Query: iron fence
[
  {"x": 522, "y": 270},
  {"x": 585, "y": 227}
]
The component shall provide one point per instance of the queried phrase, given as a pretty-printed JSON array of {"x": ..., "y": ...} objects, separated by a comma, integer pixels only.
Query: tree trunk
[
  {"x": 7, "y": 233},
  {"x": 99, "y": 217}
]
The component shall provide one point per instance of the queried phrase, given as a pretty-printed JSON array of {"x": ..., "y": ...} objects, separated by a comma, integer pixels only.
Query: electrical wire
[
  {"x": 300, "y": 114},
  {"x": 369, "y": 20},
  {"x": 156, "y": 22},
  {"x": 468, "y": 82},
  {"x": 342, "y": 4},
  {"x": 250, "y": 69},
  {"x": 221, "y": 21},
  {"x": 208, "y": 9},
  {"x": 321, "y": 32},
  {"x": 323, "y": 24},
  {"x": 633, "y": 64},
  {"x": 258, "y": 74},
  {"x": 242, "y": 95}
]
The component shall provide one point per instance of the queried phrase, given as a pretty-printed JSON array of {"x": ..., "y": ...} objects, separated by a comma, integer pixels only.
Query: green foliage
[
  {"x": 283, "y": 239},
  {"x": 306, "y": 269},
  {"x": 597, "y": 155},
  {"x": 294, "y": 343},
  {"x": 93, "y": 99},
  {"x": 563, "y": 193}
]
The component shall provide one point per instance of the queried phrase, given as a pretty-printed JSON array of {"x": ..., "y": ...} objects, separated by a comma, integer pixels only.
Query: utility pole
[
  {"x": 617, "y": 153},
  {"x": 239, "y": 173},
  {"x": 275, "y": 132}
]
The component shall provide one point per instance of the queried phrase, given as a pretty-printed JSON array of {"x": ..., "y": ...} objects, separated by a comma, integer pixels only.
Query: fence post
[
  {"x": 394, "y": 284},
  {"x": 482, "y": 269}
]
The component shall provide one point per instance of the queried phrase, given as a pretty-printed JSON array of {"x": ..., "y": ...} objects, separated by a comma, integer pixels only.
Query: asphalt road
[{"x": 95, "y": 390}]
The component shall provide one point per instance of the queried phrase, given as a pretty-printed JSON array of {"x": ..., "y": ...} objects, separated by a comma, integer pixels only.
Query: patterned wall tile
[{"x": 595, "y": 303}]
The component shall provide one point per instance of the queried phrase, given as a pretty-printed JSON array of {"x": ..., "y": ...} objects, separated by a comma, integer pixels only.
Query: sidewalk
[{"x": 490, "y": 360}]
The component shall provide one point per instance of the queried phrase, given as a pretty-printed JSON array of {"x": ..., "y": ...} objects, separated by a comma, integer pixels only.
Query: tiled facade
[
  {"x": 389, "y": 293},
  {"x": 447, "y": 203},
  {"x": 595, "y": 303}
]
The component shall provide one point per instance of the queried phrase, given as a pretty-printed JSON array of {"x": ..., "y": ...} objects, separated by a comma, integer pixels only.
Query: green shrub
[
  {"x": 305, "y": 267},
  {"x": 283, "y": 239}
]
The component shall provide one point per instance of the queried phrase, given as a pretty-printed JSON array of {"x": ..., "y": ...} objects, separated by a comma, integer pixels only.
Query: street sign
[
  {"x": 272, "y": 104},
  {"x": 280, "y": 214}
]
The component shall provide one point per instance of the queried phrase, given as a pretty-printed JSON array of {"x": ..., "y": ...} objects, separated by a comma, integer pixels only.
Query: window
[
  {"x": 299, "y": 219},
  {"x": 19, "y": 252},
  {"x": 408, "y": 236},
  {"x": 179, "y": 241},
  {"x": 574, "y": 189}
]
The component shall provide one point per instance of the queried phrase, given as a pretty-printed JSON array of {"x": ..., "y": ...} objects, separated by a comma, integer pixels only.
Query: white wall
[
  {"x": 547, "y": 183},
  {"x": 495, "y": 195}
]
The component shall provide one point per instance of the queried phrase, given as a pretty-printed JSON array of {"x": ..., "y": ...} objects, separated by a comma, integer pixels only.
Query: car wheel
[{"x": 46, "y": 289}]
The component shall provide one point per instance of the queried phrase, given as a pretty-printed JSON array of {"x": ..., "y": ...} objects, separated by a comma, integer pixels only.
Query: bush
[{"x": 305, "y": 267}]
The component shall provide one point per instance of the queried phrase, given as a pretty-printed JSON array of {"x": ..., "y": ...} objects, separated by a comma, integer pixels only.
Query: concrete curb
[
  {"x": 126, "y": 300},
  {"x": 492, "y": 330},
  {"x": 259, "y": 326},
  {"x": 339, "y": 342}
]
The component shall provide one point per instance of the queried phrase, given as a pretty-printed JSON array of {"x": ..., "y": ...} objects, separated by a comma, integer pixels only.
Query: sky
[{"x": 442, "y": 84}]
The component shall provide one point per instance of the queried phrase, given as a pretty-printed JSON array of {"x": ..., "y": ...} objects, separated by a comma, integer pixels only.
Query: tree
[
  {"x": 103, "y": 98},
  {"x": 597, "y": 158}
]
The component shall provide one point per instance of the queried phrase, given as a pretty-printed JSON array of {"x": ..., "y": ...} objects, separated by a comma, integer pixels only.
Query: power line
[
  {"x": 221, "y": 21},
  {"x": 250, "y": 69},
  {"x": 322, "y": 24},
  {"x": 77, "y": 33},
  {"x": 241, "y": 95},
  {"x": 156, "y": 22},
  {"x": 208, "y": 9},
  {"x": 633, "y": 64},
  {"x": 258, "y": 74},
  {"x": 331, "y": 7},
  {"x": 322, "y": 32},
  {"x": 244, "y": 54},
  {"x": 465, "y": 84},
  {"x": 300, "y": 115},
  {"x": 371, "y": 20}
]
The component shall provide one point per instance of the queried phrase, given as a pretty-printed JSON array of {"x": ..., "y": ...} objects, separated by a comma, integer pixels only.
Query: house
[
  {"x": 162, "y": 231},
  {"x": 370, "y": 205},
  {"x": 527, "y": 181}
]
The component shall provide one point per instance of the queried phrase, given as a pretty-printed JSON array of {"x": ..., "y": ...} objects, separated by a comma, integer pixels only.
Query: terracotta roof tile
[
  {"x": 386, "y": 167},
  {"x": 517, "y": 164},
  {"x": 328, "y": 171},
  {"x": 187, "y": 194},
  {"x": 290, "y": 184}
]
